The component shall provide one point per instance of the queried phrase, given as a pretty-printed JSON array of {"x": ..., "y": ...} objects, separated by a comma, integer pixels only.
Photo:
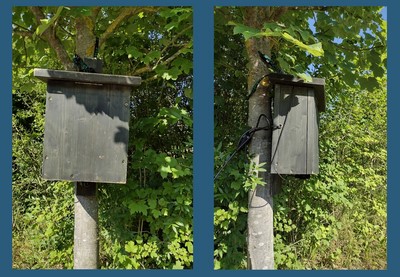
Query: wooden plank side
[
  {"x": 296, "y": 136},
  {"x": 289, "y": 142},
  {"x": 312, "y": 134},
  {"x": 277, "y": 133},
  {"x": 112, "y": 160},
  {"x": 86, "y": 133},
  {"x": 53, "y": 125}
]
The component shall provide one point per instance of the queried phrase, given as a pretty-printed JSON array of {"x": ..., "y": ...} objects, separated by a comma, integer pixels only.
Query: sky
[{"x": 384, "y": 13}]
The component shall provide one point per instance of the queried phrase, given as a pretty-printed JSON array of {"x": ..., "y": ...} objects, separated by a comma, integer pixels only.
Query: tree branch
[
  {"x": 124, "y": 14},
  {"x": 152, "y": 78},
  {"x": 22, "y": 33},
  {"x": 37, "y": 12},
  {"x": 149, "y": 68},
  {"x": 53, "y": 40},
  {"x": 95, "y": 12},
  {"x": 173, "y": 57},
  {"x": 175, "y": 38},
  {"x": 22, "y": 27}
]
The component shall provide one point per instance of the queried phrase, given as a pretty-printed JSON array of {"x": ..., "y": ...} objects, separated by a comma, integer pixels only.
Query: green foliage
[
  {"x": 340, "y": 215},
  {"x": 43, "y": 232},
  {"x": 148, "y": 222},
  {"x": 47, "y": 22},
  {"x": 280, "y": 31},
  {"x": 336, "y": 219},
  {"x": 230, "y": 206}
]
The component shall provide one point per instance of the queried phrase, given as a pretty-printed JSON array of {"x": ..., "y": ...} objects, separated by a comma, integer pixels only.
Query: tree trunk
[
  {"x": 260, "y": 217},
  {"x": 85, "y": 38}
]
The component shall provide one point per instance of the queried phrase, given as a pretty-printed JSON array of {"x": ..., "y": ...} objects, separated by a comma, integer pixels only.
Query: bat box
[
  {"x": 296, "y": 108},
  {"x": 86, "y": 126}
]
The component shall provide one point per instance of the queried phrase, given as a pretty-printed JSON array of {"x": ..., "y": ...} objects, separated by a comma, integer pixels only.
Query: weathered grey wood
[
  {"x": 289, "y": 142},
  {"x": 318, "y": 84},
  {"x": 86, "y": 132},
  {"x": 84, "y": 77},
  {"x": 312, "y": 135},
  {"x": 295, "y": 144}
]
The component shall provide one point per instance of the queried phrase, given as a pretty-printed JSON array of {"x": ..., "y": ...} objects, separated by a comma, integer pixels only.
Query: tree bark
[
  {"x": 260, "y": 217},
  {"x": 85, "y": 37}
]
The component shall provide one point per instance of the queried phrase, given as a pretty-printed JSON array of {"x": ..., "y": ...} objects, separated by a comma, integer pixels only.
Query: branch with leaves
[
  {"x": 50, "y": 36},
  {"x": 123, "y": 15}
]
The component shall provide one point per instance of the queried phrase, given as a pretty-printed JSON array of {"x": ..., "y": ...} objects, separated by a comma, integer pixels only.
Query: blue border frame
[{"x": 203, "y": 130}]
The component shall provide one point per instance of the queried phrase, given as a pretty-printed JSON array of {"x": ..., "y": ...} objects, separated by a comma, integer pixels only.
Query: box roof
[{"x": 95, "y": 78}]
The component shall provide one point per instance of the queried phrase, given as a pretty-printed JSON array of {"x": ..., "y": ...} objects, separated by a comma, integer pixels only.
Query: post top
[
  {"x": 96, "y": 78},
  {"x": 317, "y": 83}
]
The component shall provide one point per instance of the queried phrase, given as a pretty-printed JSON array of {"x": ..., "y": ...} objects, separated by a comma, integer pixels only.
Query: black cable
[
  {"x": 96, "y": 48},
  {"x": 81, "y": 65},
  {"x": 254, "y": 88},
  {"x": 246, "y": 137},
  {"x": 244, "y": 140}
]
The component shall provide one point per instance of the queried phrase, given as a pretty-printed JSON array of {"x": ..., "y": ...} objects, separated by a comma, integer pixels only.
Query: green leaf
[
  {"x": 154, "y": 55},
  {"x": 188, "y": 92},
  {"x": 46, "y": 23},
  {"x": 369, "y": 83},
  {"x": 166, "y": 76},
  {"x": 132, "y": 51},
  {"x": 189, "y": 246},
  {"x": 283, "y": 64},
  {"x": 184, "y": 64},
  {"x": 131, "y": 247},
  {"x": 177, "y": 265},
  {"x": 314, "y": 49},
  {"x": 156, "y": 213},
  {"x": 164, "y": 170},
  {"x": 138, "y": 207},
  {"x": 152, "y": 203},
  {"x": 171, "y": 25},
  {"x": 246, "y": 31},
  {"x": 270, "y": 33},
  {"x": 307, "y": 78}
]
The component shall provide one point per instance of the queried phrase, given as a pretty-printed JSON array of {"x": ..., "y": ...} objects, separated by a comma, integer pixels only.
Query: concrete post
[{"x": 86, "y": 243}]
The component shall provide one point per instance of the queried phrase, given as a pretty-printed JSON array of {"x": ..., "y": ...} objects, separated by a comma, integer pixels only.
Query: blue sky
[{"x": 384, "y": 13}]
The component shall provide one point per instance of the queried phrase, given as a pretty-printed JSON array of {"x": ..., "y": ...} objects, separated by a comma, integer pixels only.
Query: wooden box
[
  {"x": 86, "y": 126},
  {"x": 296, "y": 108}
]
